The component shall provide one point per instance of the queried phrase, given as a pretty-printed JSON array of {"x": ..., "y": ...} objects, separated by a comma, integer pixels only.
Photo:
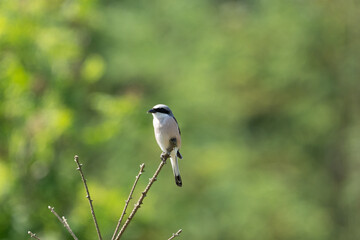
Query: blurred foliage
[{"x": 266, "y": 94}]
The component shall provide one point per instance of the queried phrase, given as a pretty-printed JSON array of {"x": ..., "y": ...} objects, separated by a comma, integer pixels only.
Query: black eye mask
[{"x": 162, "y": 110}]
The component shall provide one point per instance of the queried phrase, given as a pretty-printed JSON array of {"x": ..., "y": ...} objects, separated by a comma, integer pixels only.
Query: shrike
[{"x": 167, "y": 134}]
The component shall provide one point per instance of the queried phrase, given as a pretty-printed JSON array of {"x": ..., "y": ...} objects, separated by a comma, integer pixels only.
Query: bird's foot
[{"x": 164, "y": 156}]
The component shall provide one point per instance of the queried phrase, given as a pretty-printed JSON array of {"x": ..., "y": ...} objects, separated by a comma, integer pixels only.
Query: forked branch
[
  {"x": 117, "y": 234},
  {"x": 143, "y": 195}
]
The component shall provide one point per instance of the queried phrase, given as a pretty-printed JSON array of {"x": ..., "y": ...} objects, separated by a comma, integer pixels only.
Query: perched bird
[{"x": 167, "y": 135}]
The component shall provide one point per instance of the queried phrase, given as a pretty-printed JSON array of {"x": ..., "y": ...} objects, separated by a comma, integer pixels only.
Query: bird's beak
[{"x": 151, "y": 111}]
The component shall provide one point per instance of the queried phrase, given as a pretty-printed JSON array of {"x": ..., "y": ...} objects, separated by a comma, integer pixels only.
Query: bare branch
[
  {"x": 33, "y": 235},
  {"x": 76, "y": 159},
  {"x": 63, "y": 221},
  {"x": 164, "y": 157},
  {"x": 142, "y": 166},
  {"x": 175, "y": 234}
]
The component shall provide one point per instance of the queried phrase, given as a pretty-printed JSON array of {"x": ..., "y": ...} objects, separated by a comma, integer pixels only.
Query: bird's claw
[{"x": 164, "y": 156}]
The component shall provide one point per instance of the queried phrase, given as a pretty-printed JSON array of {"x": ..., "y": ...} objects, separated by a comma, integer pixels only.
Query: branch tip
[
  {"x": 142, "y": 166},
  {"x": 76, "y": 158},
  {"x": 63, "y": 221},
  {"x": 33, "y": 235}
]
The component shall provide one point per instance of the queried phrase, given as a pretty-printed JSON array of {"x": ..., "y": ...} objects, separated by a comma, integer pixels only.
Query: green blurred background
[{"x": 266, "y": 94}]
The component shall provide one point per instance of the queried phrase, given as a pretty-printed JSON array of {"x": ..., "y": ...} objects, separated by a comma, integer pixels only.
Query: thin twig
[
  {"x": 63, "y": 221},
  {"x": 33, "y": 235},
  {"x": 142, "y": 166},
  {"x": 143, "y": 195},
  {"x": 175, "y": 234},
  {"x": 76, "y": 159}
]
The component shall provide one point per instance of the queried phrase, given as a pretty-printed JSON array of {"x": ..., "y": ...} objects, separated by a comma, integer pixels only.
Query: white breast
[{"x": 165, "y": 128}]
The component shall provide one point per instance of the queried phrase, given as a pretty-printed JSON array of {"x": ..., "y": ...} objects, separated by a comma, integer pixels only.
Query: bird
[{"x": 168, "y": 136}]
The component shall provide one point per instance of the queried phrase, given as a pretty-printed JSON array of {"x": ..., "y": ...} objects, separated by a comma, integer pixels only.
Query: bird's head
[{"x": 160, "y": 110}]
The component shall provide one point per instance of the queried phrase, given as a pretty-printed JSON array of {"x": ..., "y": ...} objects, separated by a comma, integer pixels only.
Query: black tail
[{"x": 178, "y": 180}]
